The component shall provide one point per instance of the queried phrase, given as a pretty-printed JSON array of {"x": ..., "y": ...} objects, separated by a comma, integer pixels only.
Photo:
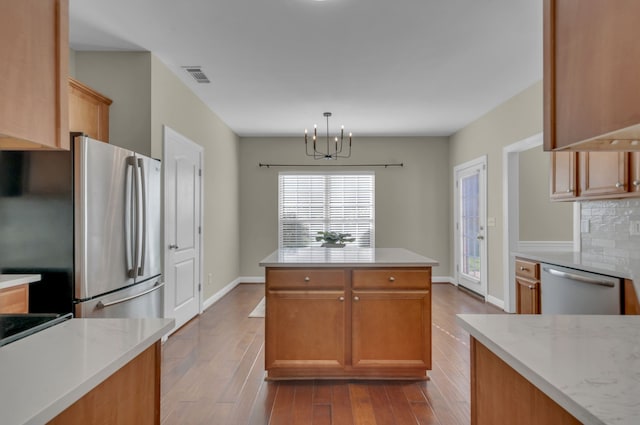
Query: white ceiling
[{"x": 383, "y": 67}]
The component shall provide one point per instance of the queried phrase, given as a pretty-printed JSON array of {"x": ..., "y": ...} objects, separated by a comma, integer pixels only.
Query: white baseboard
[
  {"x": 221, "y": 293},
  {"x": 547, "y": 246},
  {"x": 495, "y": 301},
  {"x": 251, "y": 279},
  {"x": 443, "y": 279}
]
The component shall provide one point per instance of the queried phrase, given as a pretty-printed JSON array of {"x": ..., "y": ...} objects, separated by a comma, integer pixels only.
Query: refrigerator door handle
[
  {"x": 143, "y": 231},
  {"x": 155, "y": 287},
  {"x": 130, "y": 226}
]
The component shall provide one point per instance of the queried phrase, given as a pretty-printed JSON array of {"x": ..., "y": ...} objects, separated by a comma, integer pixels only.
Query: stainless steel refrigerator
[{"x": 88, "y": 221}]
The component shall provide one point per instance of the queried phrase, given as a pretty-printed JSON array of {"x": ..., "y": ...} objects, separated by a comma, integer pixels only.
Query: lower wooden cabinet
[
  {"x": 501, "y": 396},
  {"x": 377, "y": 325},
  {"x": 306, "y": 329},
  {"x": 391, "y": 329},
  {"x": 15, "y": 299},
  {"x": 130, "y": 396},
  {"x": 631, "y": 302},
  {"x": 527, "y": 286}
]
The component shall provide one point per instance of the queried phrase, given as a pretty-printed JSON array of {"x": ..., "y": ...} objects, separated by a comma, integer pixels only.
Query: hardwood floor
[{"x": 213, "y": 373}]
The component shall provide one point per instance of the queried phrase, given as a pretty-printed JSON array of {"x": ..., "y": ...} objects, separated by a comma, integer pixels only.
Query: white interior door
[
  {"x": 182, "y": 176},
  {"x": 470, "y": 225}
]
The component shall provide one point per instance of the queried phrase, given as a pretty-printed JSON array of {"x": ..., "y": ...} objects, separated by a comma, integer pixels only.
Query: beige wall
[
  {"x": 174, "y": 105},
  {"x": 411, "y": 202},
  {"x": 125, "y": 78},
  {"x": 541, "y": 219},
  {"x": 514, "y": 120}
]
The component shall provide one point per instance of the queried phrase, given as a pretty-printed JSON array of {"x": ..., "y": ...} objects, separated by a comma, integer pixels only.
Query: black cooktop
[{"x": 16, "y": 326}]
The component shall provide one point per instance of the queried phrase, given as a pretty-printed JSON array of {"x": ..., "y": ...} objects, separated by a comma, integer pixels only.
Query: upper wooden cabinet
[
  {"x": 88, "y": 111},
  {"x": 34, "y": 40},
  {"x": 603, "y": 173},
  {"x": 563, "y": 175},
  {"x": 591, "y": 84}
]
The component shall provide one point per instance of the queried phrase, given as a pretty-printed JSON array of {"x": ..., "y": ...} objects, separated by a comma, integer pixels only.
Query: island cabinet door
[
  {"x": 305, "y": 329},
  {"x": 391, "y": 329}
]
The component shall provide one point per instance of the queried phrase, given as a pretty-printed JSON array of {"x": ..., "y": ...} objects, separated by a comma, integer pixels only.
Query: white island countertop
[
  {"x": 346, "y": 257},
  {"x": 589, "y": 365},
  {"x": 10, "y": 280},
  {"x": 43, "y": 374}
]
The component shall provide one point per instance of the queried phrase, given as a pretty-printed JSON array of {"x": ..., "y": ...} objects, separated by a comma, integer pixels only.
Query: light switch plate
[{"x": 634, "y": 227}]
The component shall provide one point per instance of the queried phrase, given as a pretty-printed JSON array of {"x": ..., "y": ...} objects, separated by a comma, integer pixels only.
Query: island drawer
[
  {"x": 527, "y": 268},
  {"x": 396, "y": 278},
  {"x": 280, "y": 278}
]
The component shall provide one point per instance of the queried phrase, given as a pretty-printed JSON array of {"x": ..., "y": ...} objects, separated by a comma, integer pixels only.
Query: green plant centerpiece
[{"x": 334, "y": 239}]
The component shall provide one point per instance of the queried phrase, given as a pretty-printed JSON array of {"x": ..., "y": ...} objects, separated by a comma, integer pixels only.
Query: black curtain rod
[{"x": 336, "y": 165}]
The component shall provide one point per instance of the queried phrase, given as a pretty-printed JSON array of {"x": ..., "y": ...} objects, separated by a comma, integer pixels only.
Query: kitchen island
[
  {"x": 347, "y": 313},
  {"x": 84, "y": 371},
  {"x": 544, "y": 369}
]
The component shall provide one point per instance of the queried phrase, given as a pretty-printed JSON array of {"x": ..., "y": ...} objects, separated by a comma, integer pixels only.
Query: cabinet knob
[
  {"x": 619, "y": 185},
  {"x": 636, "y": 183},
  {"x": 569, "y": 190},
  {"x": 392, "y": 279},
  {"x": 356, "y": 298},
  {"x": 341, "y": 299},
  {"x": 530, "y": 287},
  {"x": 172, "y": 246},
  {"x": 307, "y": 278},
  {"x": 523, "y": 268}
]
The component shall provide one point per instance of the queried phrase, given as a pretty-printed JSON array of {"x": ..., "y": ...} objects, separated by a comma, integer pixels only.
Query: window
[{"x": 317, "y": 202}]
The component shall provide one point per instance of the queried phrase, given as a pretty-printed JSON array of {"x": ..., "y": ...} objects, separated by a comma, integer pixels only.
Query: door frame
[
  {"x": 511, "y": 214},
  {"x": 480, "y": 161},
  {"x": 166, "y": 131}
]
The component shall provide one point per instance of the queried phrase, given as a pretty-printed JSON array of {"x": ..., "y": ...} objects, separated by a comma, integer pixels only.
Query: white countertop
[
  {"x": 43, "y": 374},
  {"x": 589, "y": 365},
  {"x": 575, "y": 260},
  {"x": 9, "y": 280},
  {"x": 346, "y": 257}
]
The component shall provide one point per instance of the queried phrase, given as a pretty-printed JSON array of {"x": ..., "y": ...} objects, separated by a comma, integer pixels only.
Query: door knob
[
  {"x": 480, "y": 237},
  {"x": 172, "y": 246}
]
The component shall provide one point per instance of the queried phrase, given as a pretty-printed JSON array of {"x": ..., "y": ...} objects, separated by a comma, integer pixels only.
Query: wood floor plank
[
  {"x": 341, "y": 405},
  {"x": 361, "y": 407},
  {"x": 321, "y": 414},
  {"x": 381, "y": 404},
  {"x": 213, "y": 373},
  {"x": 303, "y": 403}
]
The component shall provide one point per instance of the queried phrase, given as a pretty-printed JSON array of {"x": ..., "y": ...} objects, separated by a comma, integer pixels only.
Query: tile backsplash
[{"x": 606, "y": 232}]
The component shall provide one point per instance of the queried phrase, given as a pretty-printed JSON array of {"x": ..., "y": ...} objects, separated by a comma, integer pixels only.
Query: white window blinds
[{"x": 312, "y": 203}]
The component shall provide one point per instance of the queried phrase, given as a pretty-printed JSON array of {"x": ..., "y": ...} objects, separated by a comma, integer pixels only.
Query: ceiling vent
[{"x": 197, "y": 74}]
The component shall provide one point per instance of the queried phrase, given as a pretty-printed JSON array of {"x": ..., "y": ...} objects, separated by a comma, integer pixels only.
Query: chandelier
[{"x": 333, "y": 148}]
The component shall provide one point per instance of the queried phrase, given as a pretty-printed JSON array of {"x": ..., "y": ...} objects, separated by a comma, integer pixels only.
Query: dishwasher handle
[{"x": 579, "y": 278}]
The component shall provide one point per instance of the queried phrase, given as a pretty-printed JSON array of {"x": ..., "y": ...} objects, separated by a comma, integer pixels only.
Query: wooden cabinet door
[
  {"x": 88, "y": 111},
  {"x": 14, "y": 299},
  {"x": 634, "y": 168},
  {"x": 563, "y": 175},
  {"x": 34, "y": 40},
  {"x": 305, "y": 329},
  {"x": 391, "y": 329},
  {"x": 603, "y": 173},
  {"x": 591, "y": 62},
  {"x": 527, "y": 296}
]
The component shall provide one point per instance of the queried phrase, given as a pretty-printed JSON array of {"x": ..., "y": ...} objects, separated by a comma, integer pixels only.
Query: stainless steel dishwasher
[{"x": 569, "y": 291}]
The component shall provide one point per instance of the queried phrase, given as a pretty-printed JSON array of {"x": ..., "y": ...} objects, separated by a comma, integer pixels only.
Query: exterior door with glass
[{"x": 470, "y": 225}]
